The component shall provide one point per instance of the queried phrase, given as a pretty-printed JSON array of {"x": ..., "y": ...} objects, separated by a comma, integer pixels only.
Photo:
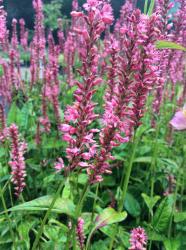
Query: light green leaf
[
  {"x": 179, "y": 217},
  {"x": 109, "y": 230},
  {"x": 63, "y": 206},
  {"x": 25, "y": 111},
  {"x": 152, "y": 235},
  {"x": 1, "y": 71},
  {"x": 172, "y": 244},
  {"x": 151, "y": 7},
  {"x": 109, "y": 216},
  {"x": 145, "y": 159},
  {"x": 52, "y": 143},
  {"x": 23, "y": 230},
  {"x": 66, "y": 190},
  {"x": 163, "y": 44},
  {"x": 150, "y": 201},
  {"x": 145, "y": 6},
  {"x": 14, "y": 114}
]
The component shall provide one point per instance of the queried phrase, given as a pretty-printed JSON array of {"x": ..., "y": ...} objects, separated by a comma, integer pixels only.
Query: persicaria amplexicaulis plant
[{"x": 84, "y": 97}]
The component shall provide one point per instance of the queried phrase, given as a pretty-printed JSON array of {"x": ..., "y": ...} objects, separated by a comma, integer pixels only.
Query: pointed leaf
[
  {"x": 132, "y": 205},
  {"x": 163, "y": 44},
  {"x": 162, "y": 215},
  {"x": 64, "y": 206},
  {"x": 151, "y": 7},
  {"x": 179, "y": 217},
  {"x": 109, "y": 216},
  {"x": 172, "y": 244},
  {"x": 150, "y": 201}
]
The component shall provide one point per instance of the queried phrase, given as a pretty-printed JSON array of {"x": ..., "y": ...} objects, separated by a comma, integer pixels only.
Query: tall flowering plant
[{"x": 79, "y": 117}]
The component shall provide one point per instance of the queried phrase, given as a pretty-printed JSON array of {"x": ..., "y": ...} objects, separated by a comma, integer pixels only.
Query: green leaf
[
  {"x": 54, "y": 233},
  {"x": 172, "y": 244},
  {"x": 179, "y": 217},
  {"x": 145, "y": 159},
  {"x": 109, "y": 216},
  {"x": 170, "y": 163},
  {"x": 132, "y": 205},
  {"x": 23, "y": 230},
  {"x": 150, "y": 201},
  {"x": 153, "y": 236},
  {"x": 162, "y": 215},
  {"x": 163, "y": 44},
  {"x": 109, "y": 230},
  {"x": 52, "y": 143},
  {"x": 66, "y": 190},
  {"x": 25, "y": 112},
  {"x": 63, "y": 206},
  {"x": 151, "y": 7},
  {"x": 14, "y": 114},
  {"x": 1, "y": 71},
  {"x": 145, "y": 6}
]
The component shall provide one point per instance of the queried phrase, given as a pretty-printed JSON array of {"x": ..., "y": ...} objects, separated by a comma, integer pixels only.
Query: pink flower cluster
[
  {"x": 80, "y": 233},
  {"x": 79, "y": 117},
  {"x": 3, "y": 30},
  {"x": 23, "y": 34},
  {"x": 3, "y": 127},
  {"x": 138, "y": 239},
  {"x": 17, "y": 163}
]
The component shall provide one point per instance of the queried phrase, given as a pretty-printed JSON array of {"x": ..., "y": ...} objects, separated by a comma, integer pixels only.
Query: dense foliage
[{"x": 92, "y": 129}]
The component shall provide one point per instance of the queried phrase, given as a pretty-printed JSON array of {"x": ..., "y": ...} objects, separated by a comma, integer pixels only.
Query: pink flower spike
[
  {"x": 17, "y": 162},
  {"x": 138, "y": 239},
  {"x": 80, "y": 232},
  {"x": 178, "y": 122}
]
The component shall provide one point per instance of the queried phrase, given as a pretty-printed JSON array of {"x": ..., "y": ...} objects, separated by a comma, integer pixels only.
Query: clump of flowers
[
  {"x": 17, "y": 163},
  {"x": 138, "y": 239}
]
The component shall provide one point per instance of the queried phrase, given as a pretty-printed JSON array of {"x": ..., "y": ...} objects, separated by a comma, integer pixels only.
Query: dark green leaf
[
  {"x": 162, "y": 215},
  {"x": 132, "y": 205}
]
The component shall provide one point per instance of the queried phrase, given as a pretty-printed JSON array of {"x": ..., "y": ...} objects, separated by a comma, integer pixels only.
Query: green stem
[
  {"x": 94, "y": 204},
  {"x": 154, "y": 160},
  {"x": 81, "y": 200},
  {"x": 125, "y": 183},
  {"x": 35, "y": 244},
  {"x": 145, "y": 6},
  {"x": 8, "y": 219},
  {"x": 78, "y": 213},
  {"x": 89, "y": 239}
]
